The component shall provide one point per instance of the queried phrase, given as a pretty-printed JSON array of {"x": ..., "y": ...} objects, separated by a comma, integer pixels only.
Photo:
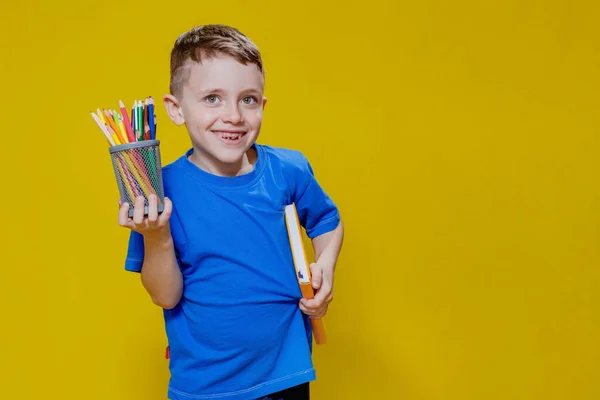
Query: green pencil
[{"x": 140, "y": 111}]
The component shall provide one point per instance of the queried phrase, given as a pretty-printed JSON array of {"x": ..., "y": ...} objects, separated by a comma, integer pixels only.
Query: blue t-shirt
[{"x": 237, "y": 332}]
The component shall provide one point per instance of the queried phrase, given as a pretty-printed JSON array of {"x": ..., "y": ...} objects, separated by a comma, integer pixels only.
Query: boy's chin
[{"x": 231, "y": 155}]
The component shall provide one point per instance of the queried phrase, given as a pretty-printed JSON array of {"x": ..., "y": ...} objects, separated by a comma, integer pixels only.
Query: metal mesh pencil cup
[{"x": 138, "y": 170}]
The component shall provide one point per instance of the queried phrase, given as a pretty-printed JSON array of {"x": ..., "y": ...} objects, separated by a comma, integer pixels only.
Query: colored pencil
[
  {"x": 133, "y": 122},
  {"x": 151, "y": 118},
  {"x": 136, "y": 168},
  {"x": 146, "y": 124},
  {"x": 126, "y": 122},
  {"x": 138, "y": 125},
  {"x": 120, "y": 126},
  {"x": 103, "y": 129},
  {"x": 113, "y": 125},
  {"x": 129, "y": 185},
  {"x": 140, "y": 117}
]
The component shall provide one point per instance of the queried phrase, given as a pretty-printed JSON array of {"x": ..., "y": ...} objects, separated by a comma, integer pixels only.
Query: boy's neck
[{"x": 208, "y": 164}]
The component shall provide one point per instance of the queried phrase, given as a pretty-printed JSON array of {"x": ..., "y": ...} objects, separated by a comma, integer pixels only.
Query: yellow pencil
[
  {"x": 113, "y": 125},
  {"x": 139, "y": 179},
  {"x": 101, "y": 116},
  {"x": 120, "y": 132},
  {"x": 143, "y": 173},
  {"x": 113, "y": 135},
  {"x": 144, "y": 183},
  {"x": 126, "y": 182},
  {"x": 121, "y": 127}
]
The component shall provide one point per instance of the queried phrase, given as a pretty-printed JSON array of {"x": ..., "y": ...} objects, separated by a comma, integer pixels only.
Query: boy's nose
[{"x": 232, "y": 115}]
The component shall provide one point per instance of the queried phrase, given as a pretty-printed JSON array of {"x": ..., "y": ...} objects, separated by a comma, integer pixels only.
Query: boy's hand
[
  {"x": 322, "y": 282},
  {"x": 153, "y": 225}
]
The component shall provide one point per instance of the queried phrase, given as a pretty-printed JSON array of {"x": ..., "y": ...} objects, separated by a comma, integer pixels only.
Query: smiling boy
[{"x": 217, "y": 259}]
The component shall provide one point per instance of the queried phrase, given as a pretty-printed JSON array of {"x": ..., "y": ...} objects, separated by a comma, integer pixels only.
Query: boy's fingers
[
  {"x": 311, "y": 304},
  {"x": 138, "y": 210},
  {"x": 123, "y": 214},
  {"x": 313, "y": 312},
  {"x": 308, "y": 310},
  {"x": 166, "y": 214},
  {"x": 303, "y": 308},
  {"x": 321, "y": 299},
  {"x": 320, "y": 296},
  {"x": 152, "y": 208},
  {"x": 306, "y": 305},
  {"x": 316, "y": 275}
]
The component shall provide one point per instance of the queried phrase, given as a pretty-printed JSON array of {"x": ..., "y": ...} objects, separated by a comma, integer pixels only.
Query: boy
[{"x": 217, "y": 259}]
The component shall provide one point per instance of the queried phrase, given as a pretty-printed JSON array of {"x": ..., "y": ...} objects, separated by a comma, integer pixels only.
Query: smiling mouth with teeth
[{"x": 230, "y": 136}]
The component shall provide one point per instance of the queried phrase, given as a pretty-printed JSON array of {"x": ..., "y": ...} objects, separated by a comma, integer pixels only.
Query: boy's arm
[
  {"x": 320, "y": 217},
  {"x": 327, "y": 248},
  {"x": 160, "y": 271},
  {"x": 328, "y": 245},
  {"x": 161, "y": 275}
]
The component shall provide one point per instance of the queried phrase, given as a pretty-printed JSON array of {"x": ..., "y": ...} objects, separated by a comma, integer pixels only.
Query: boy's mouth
[{"x": 230, "y": 137}]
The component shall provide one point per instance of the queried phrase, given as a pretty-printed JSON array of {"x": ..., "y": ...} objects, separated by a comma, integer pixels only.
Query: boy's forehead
[{"x": 224, "y": 72}]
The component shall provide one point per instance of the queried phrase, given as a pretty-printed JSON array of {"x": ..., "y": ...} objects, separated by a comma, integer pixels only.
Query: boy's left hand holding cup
[{"x": 154, "y": 224}]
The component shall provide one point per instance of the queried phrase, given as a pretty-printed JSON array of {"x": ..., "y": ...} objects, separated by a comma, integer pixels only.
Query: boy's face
[{"x": 222, "y": 105}]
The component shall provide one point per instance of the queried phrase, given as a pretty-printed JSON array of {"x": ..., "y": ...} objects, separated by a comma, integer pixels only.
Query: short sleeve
[
  {"x": 135, "y": 252},
  {"x": 317, "y": 212},
  {"x": 134, "y": 258}
]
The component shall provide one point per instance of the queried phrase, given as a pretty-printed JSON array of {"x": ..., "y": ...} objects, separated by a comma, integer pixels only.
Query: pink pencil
[{"x": 127, "y": 123}]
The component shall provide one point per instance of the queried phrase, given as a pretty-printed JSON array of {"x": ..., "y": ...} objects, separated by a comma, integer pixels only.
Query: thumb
[{"x": 316, "y": 275}]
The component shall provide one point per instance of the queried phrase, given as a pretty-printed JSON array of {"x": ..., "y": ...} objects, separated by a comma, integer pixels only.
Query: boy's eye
[
  {"x": 249, "y": 100},
  {"x": 211, "y": 98}
]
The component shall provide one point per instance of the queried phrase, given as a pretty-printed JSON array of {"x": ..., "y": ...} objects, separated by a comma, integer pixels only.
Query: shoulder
[
  {"x": 285, "y": 158},
  {"x": 173, "y": 173},
  {"x": 173, "y": 168},
  {"x": 174, "y": 177}
]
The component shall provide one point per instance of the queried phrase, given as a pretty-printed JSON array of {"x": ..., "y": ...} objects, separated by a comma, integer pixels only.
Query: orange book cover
[{"x": 302, "y": 267}]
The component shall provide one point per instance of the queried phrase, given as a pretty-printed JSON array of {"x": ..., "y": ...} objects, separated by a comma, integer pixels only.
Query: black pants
[{"x": 300, "y": 392}]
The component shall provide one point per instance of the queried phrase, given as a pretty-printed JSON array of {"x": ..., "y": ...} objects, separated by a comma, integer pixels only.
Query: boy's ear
[
  {"x": 264, "y": 102},
  {"x": 174, "y": 109}
]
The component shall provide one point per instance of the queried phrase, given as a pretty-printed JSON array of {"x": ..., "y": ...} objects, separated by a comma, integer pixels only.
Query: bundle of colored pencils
[{"x": 120, "y": 129}]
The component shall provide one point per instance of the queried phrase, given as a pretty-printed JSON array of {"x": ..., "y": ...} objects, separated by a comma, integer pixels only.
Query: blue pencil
[
  {"x": 133, "y": 121},
  {"x": 151, "y": 118}
]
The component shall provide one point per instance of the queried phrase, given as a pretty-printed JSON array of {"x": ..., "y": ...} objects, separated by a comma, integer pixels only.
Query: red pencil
[
  {"x": 145, "y": 124},
  {"x": 126, "y": 122}
]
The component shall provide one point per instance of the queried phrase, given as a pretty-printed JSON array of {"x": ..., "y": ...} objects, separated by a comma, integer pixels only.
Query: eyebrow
[
  {"x": 251, "y": 90},
  {"x": 207, "y": 91},
  {"x": 216, "y": 90}
]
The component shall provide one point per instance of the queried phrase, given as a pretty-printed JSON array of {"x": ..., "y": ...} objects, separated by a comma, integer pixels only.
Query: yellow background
[{"x": 459, "y": 138}]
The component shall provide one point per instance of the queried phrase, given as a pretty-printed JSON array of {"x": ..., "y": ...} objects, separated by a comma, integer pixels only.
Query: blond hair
[{"x": 208, "y": 41}]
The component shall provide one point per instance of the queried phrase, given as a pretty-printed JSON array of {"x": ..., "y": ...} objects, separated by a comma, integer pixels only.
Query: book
[{"x": 302, "y": 267}]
